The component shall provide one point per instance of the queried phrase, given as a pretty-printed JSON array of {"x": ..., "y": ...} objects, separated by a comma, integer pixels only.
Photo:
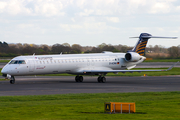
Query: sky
[{"x": 89, "y": 22}]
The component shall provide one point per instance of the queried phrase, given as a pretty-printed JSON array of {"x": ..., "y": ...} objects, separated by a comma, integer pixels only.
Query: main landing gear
[
  {"x": 79, "y": 78},
  {"x": 12, "y": 80},
  {"x": 101, "y": 79}
]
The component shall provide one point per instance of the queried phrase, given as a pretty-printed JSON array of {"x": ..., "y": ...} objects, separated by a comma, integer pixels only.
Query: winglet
[{"x": 171, "y": 66}]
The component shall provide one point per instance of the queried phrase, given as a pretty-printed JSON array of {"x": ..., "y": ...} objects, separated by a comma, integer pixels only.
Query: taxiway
[{"x": 46, "y": 85}]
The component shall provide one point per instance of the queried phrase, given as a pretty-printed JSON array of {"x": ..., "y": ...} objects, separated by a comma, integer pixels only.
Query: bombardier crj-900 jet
[{"x": 80, "y": 64}]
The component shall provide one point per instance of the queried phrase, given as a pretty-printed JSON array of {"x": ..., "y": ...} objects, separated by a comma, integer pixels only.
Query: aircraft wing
[{"x": 123, "y": 71}]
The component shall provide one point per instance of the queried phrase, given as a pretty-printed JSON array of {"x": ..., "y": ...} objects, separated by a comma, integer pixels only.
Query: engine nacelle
[{"x": 132, "y": 57}]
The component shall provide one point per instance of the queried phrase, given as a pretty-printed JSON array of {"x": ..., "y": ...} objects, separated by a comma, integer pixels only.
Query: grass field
[
  {"x": 149, "y": 105},
  {"x": 162, "y": 60}
]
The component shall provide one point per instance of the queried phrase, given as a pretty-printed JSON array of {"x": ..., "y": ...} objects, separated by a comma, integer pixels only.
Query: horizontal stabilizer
[{"x": 155, "y": 37}]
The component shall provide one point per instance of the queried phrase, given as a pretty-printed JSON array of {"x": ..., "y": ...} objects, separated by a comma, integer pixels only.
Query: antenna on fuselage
[
  {"x": 33, "y": 54},
  {"x": 61, "y": 53}
]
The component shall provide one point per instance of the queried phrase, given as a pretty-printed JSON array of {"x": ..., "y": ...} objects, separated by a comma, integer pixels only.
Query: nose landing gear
[{"x": 12, "y": 80}]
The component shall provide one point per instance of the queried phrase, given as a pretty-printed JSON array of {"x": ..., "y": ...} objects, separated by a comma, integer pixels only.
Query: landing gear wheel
[
  {"x": 12, "y": 81},
  {"x": 101, "y": 79},
  {"x": 79, "y": 78}
]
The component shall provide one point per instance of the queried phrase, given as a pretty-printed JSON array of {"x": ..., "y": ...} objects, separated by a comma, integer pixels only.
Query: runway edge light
[{"x": 119, "y": 107}]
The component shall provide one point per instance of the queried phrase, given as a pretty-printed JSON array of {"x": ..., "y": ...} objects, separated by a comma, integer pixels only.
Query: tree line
[{"x": 12, "y": 50}]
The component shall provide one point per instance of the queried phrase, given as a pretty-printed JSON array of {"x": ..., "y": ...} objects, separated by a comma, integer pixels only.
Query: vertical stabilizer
[{"x": 142, "y": 42}]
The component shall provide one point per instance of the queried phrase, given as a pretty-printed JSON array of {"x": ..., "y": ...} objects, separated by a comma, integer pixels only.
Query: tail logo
[{"x": 140, "y": 49}]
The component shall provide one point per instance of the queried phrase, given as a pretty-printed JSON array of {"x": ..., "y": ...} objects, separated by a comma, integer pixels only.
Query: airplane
[{"x": 80, "y": 64}]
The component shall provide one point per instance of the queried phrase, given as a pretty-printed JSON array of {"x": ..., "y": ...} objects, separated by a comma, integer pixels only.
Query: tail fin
[{"x": 142, "y": 42}]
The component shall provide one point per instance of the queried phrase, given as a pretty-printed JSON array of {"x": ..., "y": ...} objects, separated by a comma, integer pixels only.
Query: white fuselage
[{"x": 68, "y": 63}]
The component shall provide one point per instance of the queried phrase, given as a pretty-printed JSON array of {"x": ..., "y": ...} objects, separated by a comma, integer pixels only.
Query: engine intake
[{"x": 132, "y": 57}]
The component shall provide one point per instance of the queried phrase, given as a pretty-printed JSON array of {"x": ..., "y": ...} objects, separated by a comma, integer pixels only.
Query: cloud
[
  {"x": 2, "y": 6},
  {"x": 32, "y": 7},
  {"x": 48, "y": 8},
  {"x": 113, "y": 19},
  {"x": 178, "y": 8},
  {"x": 69, "y": 27},
  {"x": 25, "y": 26},
  {"x": 160, "y": 7},
  {"x": 86, "y": 19}
]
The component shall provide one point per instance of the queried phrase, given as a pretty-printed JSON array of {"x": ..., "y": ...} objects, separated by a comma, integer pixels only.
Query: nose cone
[{"x": 4, "y": 70}]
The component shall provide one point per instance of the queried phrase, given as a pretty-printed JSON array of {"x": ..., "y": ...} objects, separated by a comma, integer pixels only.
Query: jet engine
[{"x": 132, "y": 57}]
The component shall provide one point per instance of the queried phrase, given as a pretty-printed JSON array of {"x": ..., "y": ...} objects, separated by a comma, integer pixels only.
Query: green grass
[
  {"x": 2, "y": 79},
  {"x": 4, "y": 61},
  {"x": 162, "y": 60},
  {"x": 149, "y": 105}
]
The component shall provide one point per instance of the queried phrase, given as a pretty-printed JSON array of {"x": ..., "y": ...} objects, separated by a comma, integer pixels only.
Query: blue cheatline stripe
[
  {"x": 142, "y": 44},
  {"x": 143, "y": 48},
  {"x": 142, "y": 51}
]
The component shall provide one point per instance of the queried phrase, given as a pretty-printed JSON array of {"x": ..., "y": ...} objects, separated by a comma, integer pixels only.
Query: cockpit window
[
  {"x": 21, "y": 62},
  {"x": 17, "y": 62}
]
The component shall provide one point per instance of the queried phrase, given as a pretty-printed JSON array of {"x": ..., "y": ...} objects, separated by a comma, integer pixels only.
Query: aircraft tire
[
  {"x": 80, "y": 78},
  {"x": 77, "y": 78},
  {"x": 103, "y": 79},
  {"x": 99, "y": 79},
  {"x": 12, "y": 81}
]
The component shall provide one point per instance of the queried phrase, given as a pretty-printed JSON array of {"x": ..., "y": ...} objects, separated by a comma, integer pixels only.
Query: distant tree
[
  {"x": 76, "y": 48},
  {"x": 66, "y": 44},
  {"x": 174, "y": 52},
  {"x": 102, "y": 45},
  {"x": 96, "y": 50},
  {"x": 57, "y": 48},
  {"x": 124, "y": 48}
]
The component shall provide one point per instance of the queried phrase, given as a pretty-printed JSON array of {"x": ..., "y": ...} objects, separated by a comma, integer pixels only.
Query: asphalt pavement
[{"x": 47, "y": 85}]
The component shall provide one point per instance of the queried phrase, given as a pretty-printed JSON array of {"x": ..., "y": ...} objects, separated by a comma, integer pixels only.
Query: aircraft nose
[{"x": 4, "y": 70}]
